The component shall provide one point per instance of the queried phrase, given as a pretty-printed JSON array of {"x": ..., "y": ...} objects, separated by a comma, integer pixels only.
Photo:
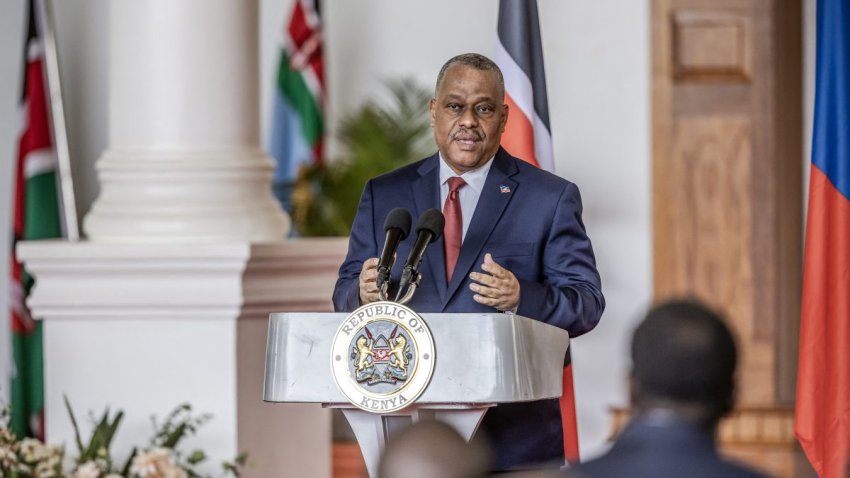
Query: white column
[{"x": 184, "y": 161}]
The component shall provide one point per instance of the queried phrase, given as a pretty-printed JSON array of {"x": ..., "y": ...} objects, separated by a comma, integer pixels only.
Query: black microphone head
[
  {"x": 432, "y": 221},
  {"x": 398, "y": 218}
]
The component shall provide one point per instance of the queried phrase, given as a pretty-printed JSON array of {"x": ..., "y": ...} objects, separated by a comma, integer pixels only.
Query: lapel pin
[{"x": 504, "y": 189}]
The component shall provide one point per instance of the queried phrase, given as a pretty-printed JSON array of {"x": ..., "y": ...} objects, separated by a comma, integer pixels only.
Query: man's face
[{"x": 468, "y": 117}]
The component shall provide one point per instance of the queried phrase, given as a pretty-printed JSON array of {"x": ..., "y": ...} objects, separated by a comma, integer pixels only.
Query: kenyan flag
[
  {"x": 298, "y": 121},
  {"x": 36, "y": 216}
]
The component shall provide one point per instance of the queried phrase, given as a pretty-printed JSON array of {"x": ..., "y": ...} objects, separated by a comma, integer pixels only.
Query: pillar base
[
  {"x": 185, "y": 196},
  {"x": 143, "y": 328}
]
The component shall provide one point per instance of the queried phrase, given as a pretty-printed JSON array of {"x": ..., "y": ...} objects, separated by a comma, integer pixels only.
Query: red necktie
[{"x": 453, "y": 232}]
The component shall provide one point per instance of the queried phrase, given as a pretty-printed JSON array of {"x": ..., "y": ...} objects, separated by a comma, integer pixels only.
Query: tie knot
[{"x": 455, "y": 183}]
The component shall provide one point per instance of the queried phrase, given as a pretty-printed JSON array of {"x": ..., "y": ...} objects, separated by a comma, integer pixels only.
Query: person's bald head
[{"x": 431, "y": 449}]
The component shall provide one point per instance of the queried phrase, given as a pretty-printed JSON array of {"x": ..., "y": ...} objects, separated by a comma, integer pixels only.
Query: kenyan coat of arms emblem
[{"x": 382, "y": 357}]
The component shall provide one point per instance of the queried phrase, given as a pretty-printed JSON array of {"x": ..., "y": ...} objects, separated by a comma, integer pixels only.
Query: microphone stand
[
  {"x": 412, "y": 275},
  {"x": 382, "y": 292}
]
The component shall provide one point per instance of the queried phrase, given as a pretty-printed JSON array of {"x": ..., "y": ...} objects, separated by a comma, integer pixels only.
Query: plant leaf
[
  {"x": 379, "y": 137},
  {"x": 74, "y": 424},
  {"x": 126, "y": 470}
]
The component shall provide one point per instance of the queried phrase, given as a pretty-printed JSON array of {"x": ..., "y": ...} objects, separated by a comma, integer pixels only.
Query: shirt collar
[{"x": 474, "y": 179}]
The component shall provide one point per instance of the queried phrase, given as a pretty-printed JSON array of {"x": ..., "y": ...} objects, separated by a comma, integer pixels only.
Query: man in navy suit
[
  {"x": 524, "y": 248},
  {"x": 682, "y": 384}
]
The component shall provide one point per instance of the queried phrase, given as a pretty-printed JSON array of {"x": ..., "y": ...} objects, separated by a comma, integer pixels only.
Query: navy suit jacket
[
  {"x": 530, "y": 221},
  {"x": 674, "y": 449}
]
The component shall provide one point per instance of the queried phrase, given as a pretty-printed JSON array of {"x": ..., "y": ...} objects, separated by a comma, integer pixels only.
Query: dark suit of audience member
[{"x": 682, "y": 384}]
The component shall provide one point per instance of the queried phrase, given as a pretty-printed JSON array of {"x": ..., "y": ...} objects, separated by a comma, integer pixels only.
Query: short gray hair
[{"x": 472, "y": 60}]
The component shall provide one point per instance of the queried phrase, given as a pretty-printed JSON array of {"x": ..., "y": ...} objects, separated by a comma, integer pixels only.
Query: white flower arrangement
[
  {"x": 27, "y": 458},
  {"x": 30, "y": 458},
  {"x": 88, "y": 469},
  {"x": 155, "y": 463}
]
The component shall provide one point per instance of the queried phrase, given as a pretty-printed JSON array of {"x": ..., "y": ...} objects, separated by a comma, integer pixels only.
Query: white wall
[
  {"x": 809, "y": 45},
  {"x": 204, "y": 349}
]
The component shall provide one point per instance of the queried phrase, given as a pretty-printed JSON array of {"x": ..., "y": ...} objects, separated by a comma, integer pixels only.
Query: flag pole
[{"x": 44, "y": 11}]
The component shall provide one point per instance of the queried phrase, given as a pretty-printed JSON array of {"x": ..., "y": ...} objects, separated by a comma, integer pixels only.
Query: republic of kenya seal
[{"x": 382, "y": 357}]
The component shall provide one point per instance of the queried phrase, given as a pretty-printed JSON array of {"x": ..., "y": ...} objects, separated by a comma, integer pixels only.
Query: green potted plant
[{"x": 378, "y": 138}]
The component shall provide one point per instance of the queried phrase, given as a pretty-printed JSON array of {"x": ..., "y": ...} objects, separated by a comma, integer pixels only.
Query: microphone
[
  {"x": 397, "y": 227},
  {"x": 429, "y": 228}
]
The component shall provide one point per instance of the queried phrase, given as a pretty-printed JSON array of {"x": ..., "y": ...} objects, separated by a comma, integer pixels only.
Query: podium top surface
[{"x": 479, "y": 358}]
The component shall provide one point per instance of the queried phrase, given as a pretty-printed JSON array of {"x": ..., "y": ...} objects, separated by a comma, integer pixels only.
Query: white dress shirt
[{"x": 469, "y": 193}]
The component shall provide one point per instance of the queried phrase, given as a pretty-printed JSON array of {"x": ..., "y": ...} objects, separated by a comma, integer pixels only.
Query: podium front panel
[{"x": 480, "y": 358}]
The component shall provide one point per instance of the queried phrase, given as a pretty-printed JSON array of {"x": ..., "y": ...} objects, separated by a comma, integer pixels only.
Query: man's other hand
[
  {"x": 498, "y": 287},
  {"x": 369, "y": 282}
]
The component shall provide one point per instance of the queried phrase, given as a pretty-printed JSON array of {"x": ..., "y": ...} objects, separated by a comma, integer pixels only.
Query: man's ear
[
  {"x": 505, "y": 110},
  {"x": 432, "y": 109}
]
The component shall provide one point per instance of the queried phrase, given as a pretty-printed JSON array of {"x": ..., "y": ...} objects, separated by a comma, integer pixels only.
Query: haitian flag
[
  {"x": 823, "y": 382},
  {"x": 519, "y": 54}
]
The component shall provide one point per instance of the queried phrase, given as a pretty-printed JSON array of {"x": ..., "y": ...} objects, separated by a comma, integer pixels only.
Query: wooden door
[{"x": 727, "y": 199}]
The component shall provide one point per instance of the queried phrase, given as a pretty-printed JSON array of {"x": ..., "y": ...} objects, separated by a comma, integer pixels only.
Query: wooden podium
[{"x": 481, "y": 360}]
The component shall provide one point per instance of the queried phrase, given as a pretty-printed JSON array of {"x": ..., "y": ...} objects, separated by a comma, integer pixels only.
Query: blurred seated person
[
  {"x": 682, "y": 383},
  {"x": 432, "y": 449}
]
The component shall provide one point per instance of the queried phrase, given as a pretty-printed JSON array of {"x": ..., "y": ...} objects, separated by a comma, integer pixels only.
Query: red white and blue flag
[
  {"x": 519, "y": 54},
  {"x": 298, "y": 121},
  {"x": 823, "y": 382}
]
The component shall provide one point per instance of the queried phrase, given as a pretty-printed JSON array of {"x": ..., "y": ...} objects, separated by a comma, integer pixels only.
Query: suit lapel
[
  {"x": 426, "y": 195},
  {"x": 497, "y": 193}
]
